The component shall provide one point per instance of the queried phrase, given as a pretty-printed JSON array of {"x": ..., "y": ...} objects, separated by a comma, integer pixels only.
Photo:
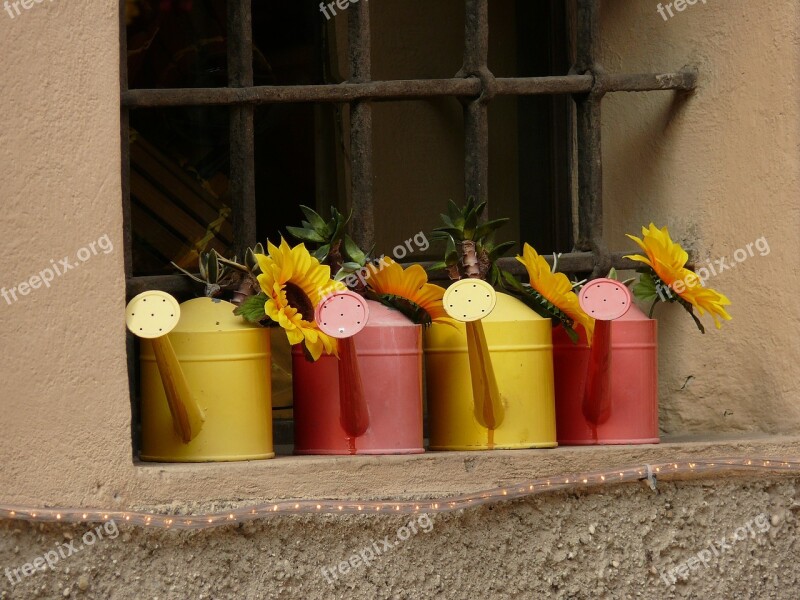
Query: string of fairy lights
[{"x": 649, "y": 472}]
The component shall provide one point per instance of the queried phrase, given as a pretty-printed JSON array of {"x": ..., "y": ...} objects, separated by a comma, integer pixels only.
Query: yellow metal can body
[
  {"x": 521, "y": 350},
  {"x": 227, "y": 364}
]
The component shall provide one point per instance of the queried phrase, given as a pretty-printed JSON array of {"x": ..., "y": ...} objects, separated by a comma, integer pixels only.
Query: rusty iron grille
[{"x": 474, "y": 85}]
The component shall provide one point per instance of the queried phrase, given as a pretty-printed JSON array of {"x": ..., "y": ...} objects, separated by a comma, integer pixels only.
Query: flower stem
[{"x": 652, "y": 308}]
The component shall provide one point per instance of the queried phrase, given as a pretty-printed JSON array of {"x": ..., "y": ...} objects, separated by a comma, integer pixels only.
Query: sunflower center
[{"x": 298, "y": 299}]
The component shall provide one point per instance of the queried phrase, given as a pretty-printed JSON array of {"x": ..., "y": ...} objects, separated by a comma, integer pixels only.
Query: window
[{"x": 235, "y": 112}]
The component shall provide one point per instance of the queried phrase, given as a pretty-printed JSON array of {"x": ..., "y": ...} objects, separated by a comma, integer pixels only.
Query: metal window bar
[{"x": 474, "y": 85}]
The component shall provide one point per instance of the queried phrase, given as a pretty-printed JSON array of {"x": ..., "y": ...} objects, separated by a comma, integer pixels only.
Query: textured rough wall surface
[
  {"x": 721, "y": 167},
  {"x": 618, "y": 544},
  {"x": 65, "y": 417}
]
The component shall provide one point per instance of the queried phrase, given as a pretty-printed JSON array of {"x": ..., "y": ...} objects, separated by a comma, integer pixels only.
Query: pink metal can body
[
  {"x": 634, "y": 385},
  {"x": 389, "y": 351}
]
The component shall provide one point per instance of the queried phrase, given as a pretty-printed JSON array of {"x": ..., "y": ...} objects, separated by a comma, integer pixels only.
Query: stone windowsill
[{"x": 429, "y": 475}]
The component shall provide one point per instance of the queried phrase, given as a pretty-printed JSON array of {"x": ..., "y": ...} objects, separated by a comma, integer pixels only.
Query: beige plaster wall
[
  {"x": 720, "y": 167},
  {"x": 65, "y": 412}
]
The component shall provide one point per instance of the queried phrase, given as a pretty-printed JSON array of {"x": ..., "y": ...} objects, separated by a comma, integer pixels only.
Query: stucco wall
[{"x": 720, "y": 167}]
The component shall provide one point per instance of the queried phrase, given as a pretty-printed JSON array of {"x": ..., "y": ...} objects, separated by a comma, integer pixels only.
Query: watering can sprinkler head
[
  {"x": 342, "y": 315},
  {"x": 469, "y": 300},
  {"x": 604, "y": 300},
  {"x": 152, "y": 315}
]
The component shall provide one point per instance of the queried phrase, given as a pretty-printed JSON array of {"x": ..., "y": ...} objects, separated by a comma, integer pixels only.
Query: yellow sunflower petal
[
  {"x": 284, "y": 265},
  {"x": 555, "y": 287},
  {"x": 411, "y": 284},
  {"x": 668, "y": 260}
]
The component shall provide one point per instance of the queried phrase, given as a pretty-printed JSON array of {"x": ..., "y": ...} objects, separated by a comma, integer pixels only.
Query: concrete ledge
[{"x": 434, "y": 474}]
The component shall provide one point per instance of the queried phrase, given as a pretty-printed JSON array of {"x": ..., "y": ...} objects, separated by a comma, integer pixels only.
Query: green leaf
[
  {"x": 439, "y": 266},
  {"x": 306, "y": 235},
  {"x": 451, "y": 252},
  {"x": 447, "y": 221},
  {"x": 250, "y": 260},
  {"x": 455, "y": 213},
  {"x": 470, "y": 224},
  {"x": 253, "y": 308},
  {"x": 494, "y": 276},
  {"x": 410, "y": 309},
  {"x": 213, "y": 268},
  {"x": 612, "y": 274},
  {"x": 317, "y": 223},
  {"x": 479, "y": 209},
  {"x": 451, "y": 231},
  {"x": 351, "y": 267},
  {"x": 541, "y": 305},
  {"x": 321, "y": 253},
  {"x": 645, "y": 289},
  {"x": 353, "y": 251},
  {"x": 484, "y": 229},
  {"x": 500, "y": 250},
  {"x": 469, "y": 206},
  {"x": 340, "y": 223},
  {"x": 571, "y": 333}
]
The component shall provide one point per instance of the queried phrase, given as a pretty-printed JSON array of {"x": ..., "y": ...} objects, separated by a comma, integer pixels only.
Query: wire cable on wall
[{"x": 649, "y": 472}]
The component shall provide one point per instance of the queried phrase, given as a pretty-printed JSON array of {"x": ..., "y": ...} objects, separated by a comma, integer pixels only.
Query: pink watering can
[
  {"x": 369, "y": 400},
  {"x": 608, "y": 394}
]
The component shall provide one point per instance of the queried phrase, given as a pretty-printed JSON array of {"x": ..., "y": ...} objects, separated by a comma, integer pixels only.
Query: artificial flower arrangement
[
  {"x": 471, "y": 252},
  {"x": 665, "y": 278},
  {"x": 378, "y": 278},
  {"x": 507, "y": 401},
  {"x": 368, "y": 399}
]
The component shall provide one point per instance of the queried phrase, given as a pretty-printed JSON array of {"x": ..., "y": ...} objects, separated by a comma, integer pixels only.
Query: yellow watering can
[
  {"x": 490, "y": 379},
  {"x": 205, "y": 381}
]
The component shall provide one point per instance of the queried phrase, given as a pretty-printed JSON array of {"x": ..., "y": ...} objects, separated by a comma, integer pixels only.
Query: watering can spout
[
  {"x": 469, "y": 301},
  {"x": 604, "y": 300},
  {"x": 152, "y": 315},
  {"x": 342, "y": 315}
]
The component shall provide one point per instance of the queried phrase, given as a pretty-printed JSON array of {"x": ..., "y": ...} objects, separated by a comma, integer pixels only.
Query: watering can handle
[
  {"x": 152, "y": 315},
  {"x": 605, "y": 300},
  {"x": 342, "y": 315},
  {"x": 469, "y": 301}
]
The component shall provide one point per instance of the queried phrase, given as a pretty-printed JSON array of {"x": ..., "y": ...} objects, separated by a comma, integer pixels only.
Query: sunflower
[
  {"x": 294, "y": 283},
  {"x": 668, "y": 261},
  {"x": 556, "y": 288},
  {"x": 408, "y": 291}
]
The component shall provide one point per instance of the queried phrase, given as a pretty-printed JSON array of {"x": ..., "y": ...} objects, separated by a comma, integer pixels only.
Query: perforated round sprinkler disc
[
  {"x": 469, "y": 300},
  {"x": 605, "y": 299},
  {"x": 152, "y": 314},
  {"x": 342, "y": 314}
]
